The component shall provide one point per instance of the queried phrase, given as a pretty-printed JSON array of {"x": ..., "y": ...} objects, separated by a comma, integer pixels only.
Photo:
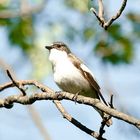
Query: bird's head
[
  {"x": 60, "y": 46},
  {"x": 58, "y": 51}
]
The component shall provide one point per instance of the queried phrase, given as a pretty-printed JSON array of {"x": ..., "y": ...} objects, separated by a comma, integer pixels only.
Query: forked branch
[{"x": 100, "y": 15}]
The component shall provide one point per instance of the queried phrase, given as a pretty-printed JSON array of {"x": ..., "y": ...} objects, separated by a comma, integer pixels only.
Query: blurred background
[{"x": 26, "y": 26}]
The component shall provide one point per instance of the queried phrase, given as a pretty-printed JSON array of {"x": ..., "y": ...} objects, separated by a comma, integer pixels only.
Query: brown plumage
[{"x": 72, "y": 75}]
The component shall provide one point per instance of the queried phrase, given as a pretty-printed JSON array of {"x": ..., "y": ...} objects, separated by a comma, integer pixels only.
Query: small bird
[{"x": 72, "y": 75}]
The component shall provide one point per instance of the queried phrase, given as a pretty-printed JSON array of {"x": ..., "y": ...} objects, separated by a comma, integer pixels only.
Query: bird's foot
[
  {"x": 75, "y": 96},
  {"x": 58, "y": 92}
]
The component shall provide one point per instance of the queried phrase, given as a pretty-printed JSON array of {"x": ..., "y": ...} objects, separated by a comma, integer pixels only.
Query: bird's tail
[{"x": 104, "y": 116}]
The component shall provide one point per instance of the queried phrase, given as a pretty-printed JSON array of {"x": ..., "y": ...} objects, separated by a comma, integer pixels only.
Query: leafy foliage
[
  {"x": 21, "y": 32},
  {"x": 81, "y": 6},
  {"x": 113, "y": 46},
  {"x": 117, "y": 49},
  {"x": 135, "y": 22}
]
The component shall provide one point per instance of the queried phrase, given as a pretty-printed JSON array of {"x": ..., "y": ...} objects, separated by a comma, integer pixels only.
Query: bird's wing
[
  {"x": 85, "y": 71},
  {"x": 87, "y": 74}
]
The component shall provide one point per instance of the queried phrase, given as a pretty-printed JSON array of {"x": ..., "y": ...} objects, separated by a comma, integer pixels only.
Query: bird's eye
[{"x": 58, "y": 46}]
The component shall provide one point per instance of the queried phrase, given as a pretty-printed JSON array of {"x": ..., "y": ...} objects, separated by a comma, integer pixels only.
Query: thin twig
[
  {"x": 110, "y": 21},
  {"x": 102, "y": 131},
  {"x": 97, "y": 16},
  {"x": 18, "y": 85},
  {"x": 103, "y": 124},
  {"x": 111, "y": 101},
  {"x": 101, "y": 10}
]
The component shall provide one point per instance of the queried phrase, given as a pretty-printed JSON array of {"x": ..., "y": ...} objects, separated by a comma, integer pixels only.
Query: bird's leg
[
  {"x": 75, "y": 96},
  {"x": 58, "y": 92}
]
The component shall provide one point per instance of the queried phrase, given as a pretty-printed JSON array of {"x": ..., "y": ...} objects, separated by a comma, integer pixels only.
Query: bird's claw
[{"x": 75, "y": 96}]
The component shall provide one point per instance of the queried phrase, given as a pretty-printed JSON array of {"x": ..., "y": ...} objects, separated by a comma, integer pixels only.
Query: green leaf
[
  {"x": 21, "y": 33},
  {"x": 114, "y": 30},
  {"x": 5, "y": 22},
  {"x": 88, "y": 33},
  {"x": 120, "y": 52},
  {"x": 79, "y": 5}
]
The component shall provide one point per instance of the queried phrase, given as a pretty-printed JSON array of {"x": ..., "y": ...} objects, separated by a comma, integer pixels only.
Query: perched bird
[{"x": 72, "y": 75}]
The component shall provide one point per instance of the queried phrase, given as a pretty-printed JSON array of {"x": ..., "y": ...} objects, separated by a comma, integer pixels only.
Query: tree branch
[
  {"x": 77, "y": 123},
  {"x": 49, "y": 94},
  {"x": 100, "y": 17},
  {"x": 16, "y": 13},
  {"x": 59, "y": 106},
  {"x": 31, "y": 109}
]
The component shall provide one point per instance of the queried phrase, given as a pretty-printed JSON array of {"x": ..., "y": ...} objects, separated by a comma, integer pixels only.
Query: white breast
[{"x": 66, "y": 75}]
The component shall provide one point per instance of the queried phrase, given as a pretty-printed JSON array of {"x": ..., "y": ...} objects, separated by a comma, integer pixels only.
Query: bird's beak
[{"x": 48, "y": 47}]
